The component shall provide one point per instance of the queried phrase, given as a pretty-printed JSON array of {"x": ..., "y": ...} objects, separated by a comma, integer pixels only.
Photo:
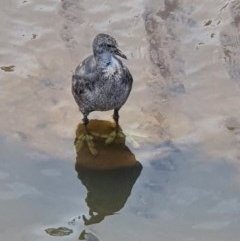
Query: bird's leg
[
  {"x": 116, "y": 117},
  {"x": 86, "y": 136},
  {"x": 117, "y": 132}
]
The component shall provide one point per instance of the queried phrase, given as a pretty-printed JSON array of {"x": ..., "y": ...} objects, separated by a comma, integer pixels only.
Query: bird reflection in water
[
  {"x": 108, "y": 177},
  {"x": 108, "y": 190}
]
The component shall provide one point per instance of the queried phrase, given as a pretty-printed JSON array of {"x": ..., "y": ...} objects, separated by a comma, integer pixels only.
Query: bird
[{"x": 101, "y": 82}]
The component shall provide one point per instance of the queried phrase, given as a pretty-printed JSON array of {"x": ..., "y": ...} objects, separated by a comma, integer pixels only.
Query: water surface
[{"x": 181, "y": 122}]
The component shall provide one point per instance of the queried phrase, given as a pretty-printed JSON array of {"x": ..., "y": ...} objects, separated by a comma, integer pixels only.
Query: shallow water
[{"x": 181, "y": 122}]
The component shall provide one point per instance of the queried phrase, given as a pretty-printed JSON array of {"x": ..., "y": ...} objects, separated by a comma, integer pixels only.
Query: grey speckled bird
[{"x": 102, "y": 82}]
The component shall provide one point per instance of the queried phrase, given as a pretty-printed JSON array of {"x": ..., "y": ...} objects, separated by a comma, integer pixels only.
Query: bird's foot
[
  {"x": 86, "y": 137},
  {"x": 118, "y": 133}
]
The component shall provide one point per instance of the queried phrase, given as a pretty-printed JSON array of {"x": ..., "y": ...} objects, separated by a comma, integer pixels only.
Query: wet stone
[
  {"x": 9, "y": 68},
  {"x": 208, "y": 22},
  {"x": 34, "y": 36},
  {"x": 88, "y": 236},
  {"x": 61, "y": 231},
  {"x": 74, "y": 220}
]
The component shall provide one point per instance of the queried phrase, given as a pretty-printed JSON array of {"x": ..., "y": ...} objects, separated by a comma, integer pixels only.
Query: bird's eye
[{"x": 109, "y": 45}]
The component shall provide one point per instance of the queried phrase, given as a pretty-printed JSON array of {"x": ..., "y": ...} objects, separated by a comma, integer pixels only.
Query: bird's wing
[
  {"x": 128, "y": 76},
  {"x": 84, "y": 77}
]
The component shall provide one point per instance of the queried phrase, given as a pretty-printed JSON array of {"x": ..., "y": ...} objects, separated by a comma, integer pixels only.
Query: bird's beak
[{"x": 120, "y": 53}]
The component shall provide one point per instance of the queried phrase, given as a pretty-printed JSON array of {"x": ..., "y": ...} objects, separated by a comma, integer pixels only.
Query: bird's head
[{"x": 104, "y": 43}]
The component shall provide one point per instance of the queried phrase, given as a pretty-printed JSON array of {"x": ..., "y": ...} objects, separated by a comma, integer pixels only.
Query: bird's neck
[
  {"x": 107, "y": 64},
  {"x": 103, "y": 60}
]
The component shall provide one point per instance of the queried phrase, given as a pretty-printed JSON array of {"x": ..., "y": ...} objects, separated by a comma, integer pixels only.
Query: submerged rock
[{"x": 61, "y": 231}]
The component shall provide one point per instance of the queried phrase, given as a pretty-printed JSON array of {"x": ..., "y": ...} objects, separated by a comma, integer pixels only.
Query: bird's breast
[
  {"x": 112, "y": 69},
  {"x": 110, "y": 72}
]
